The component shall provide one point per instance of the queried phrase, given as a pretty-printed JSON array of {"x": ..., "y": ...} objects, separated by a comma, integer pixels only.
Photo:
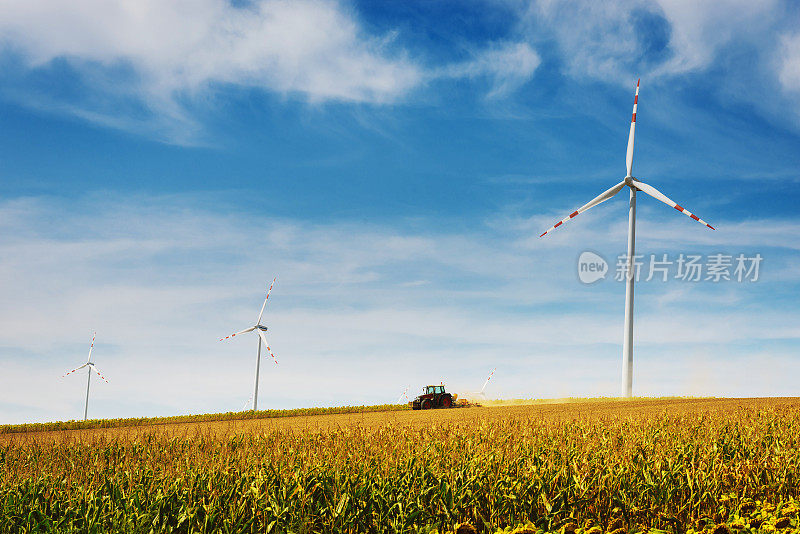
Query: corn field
[{"x": 582, "y": 470}]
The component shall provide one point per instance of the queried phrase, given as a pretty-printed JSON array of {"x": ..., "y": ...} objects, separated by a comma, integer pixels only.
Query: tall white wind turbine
[
  {"x": 92, "y": 367},
  {"x": 261, "y": 330},
  {"x": 634, "y": 185}
]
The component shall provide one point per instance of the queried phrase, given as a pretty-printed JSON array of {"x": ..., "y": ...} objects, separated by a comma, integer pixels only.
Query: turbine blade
[
  {"x": 487, "y": 380},
  {"x": 91, "y": 347},
  {"x": 266, "y": 344},
  {"x": 629, "y": 155},
  {"x": 658, "y": 195},
  {"x": 594, "y": 202},
  {"x": 265, "y": 300},
  {"x": 246, "y": 330},
  {"x": 99, "y": 374},
  {"x": 76, "y": 369}
]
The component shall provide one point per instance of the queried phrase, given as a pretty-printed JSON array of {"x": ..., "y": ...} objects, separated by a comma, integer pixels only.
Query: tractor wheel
[
  {"x": 447, "y": 402},
  {"x": 426, "y": 404}
]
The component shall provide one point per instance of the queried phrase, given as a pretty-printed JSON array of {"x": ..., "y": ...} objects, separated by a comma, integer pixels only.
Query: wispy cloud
[
  {"x": 619, "y": 40},
  {"x": 508, "y": 65},
  {"x": 789, "y": 61},
  {"x": 747, "y": 49},
  {"x": 356, "y": 309}
]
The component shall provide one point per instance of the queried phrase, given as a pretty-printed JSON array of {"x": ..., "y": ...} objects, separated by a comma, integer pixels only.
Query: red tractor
[{"x": 433, "y": 397}]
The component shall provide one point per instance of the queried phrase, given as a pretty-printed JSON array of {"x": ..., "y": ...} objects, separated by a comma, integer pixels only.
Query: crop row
[{"x": 204, "y": 418}]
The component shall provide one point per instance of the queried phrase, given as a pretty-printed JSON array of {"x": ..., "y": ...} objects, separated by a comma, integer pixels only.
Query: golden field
[{"x": 589, "y": 467}]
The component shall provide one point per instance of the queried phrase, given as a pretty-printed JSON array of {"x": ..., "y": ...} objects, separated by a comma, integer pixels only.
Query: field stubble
[{"x": 589, "y": 467}]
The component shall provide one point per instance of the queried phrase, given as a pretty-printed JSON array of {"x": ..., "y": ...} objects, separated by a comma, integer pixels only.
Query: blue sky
[{"x": 393, "y": 164}]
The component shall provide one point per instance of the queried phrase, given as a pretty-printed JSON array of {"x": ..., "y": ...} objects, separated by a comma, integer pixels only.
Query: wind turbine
[
  {"x": 634, "y": 185},
  {"x": 403, "y": 395},
  {"x": 92, "y": 367},
  {"x": 261, "y": 331}
]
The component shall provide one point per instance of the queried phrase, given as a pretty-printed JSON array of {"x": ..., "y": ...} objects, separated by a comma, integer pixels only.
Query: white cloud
[
  {"x": 748, "y": 48},
  {"x": 144, "y": 63},
  {"x": 608, "y": 41},
  {"x": 595, "y": 38},
  {"x": 701, "y": 29},
  {"x": 312, "y": 47}
]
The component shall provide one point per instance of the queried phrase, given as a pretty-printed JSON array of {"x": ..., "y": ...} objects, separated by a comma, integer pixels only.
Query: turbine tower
[
  {"x": 92, "y": 367},
  {"x": 261, "y": 331},
  {"x": 634, "y": 185}
]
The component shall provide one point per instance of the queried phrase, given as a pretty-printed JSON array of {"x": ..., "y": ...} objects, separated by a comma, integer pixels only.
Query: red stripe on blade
[
  {"x": 677, "y": 207},
  {"x": 695, "y": 217},
  {"x": 633, "y": 118},
  {"x": 573, "y": 214},
  {"x": 559, "y": 223},
  {"x": 635, "y": 100},
  {"x": 710, "y": 226}
]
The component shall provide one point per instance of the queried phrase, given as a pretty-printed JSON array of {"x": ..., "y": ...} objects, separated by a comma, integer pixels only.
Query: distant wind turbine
[
  {"x": 403, "y": 395},
  {"x": 634, "y": 185},
  {"x": 261, "y": 330},
  {"x": 92, "y": 367}
]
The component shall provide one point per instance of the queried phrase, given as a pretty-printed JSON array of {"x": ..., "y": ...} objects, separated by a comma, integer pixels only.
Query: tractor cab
[{"x": 432, "y": 390}]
